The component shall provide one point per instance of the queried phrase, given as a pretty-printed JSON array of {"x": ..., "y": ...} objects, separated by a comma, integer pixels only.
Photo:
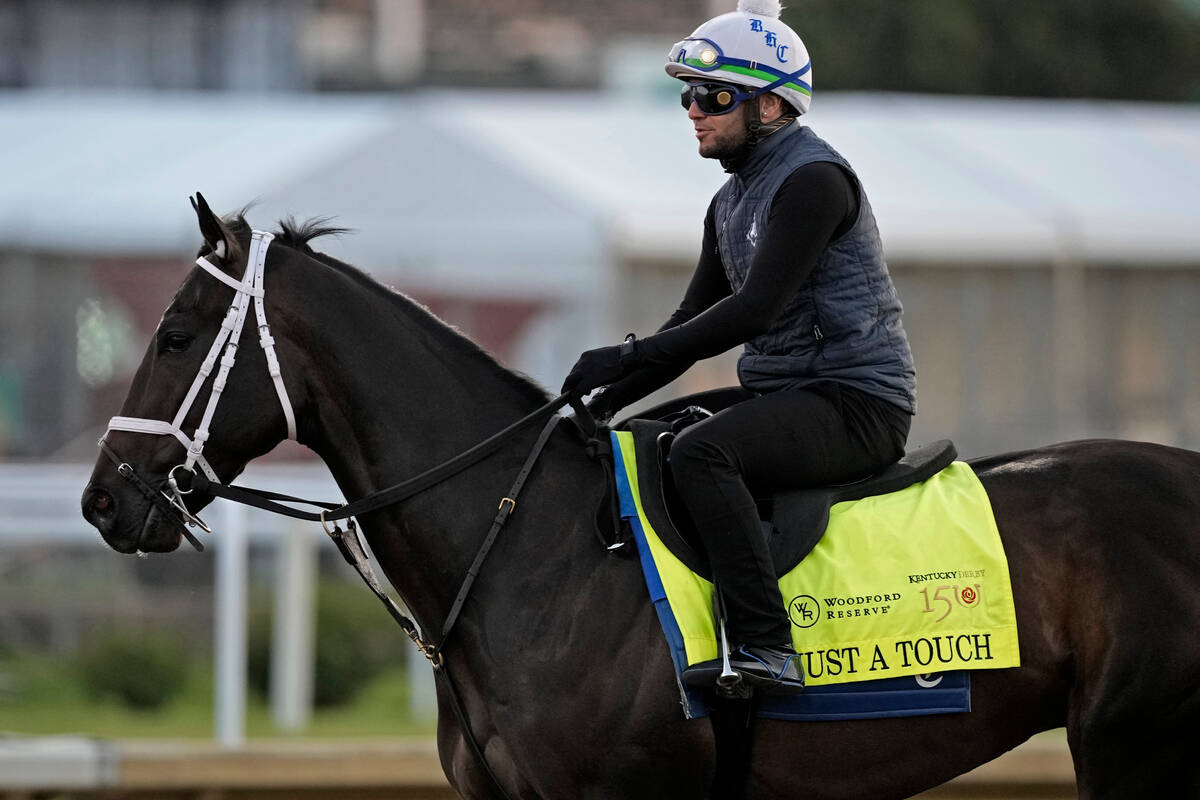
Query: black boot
[{"x": 770, "y": 669}]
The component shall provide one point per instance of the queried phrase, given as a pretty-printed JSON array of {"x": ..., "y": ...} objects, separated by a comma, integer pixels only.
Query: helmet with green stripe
[{"x": 751, "y": 47}]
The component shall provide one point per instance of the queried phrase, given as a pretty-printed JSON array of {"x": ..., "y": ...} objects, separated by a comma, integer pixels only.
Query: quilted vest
[{"x": 843, "y": 324}]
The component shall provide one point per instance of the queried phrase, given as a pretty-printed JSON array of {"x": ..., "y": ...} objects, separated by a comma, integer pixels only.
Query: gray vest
[{"x": 843, "y": 324}]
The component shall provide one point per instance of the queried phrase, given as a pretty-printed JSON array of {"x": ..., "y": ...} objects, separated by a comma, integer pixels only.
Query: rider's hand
[{"x": 601, "y": 367}]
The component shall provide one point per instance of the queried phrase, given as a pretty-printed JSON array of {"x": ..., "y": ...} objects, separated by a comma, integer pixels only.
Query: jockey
[{"x": 792, "y": 268}]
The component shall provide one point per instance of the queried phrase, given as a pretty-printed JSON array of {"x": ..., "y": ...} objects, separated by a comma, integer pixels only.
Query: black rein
[
  {"x": 272, "y": 501},
  {"x": 351, "y": 547}
]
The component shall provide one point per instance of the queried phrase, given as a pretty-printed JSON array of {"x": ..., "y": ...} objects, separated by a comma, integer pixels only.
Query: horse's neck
[
  {"x": 391, "y": 393},
  {"x": 391, "y": 389}
]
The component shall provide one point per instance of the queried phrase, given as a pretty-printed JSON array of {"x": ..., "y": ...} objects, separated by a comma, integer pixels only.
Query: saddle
[{"x": 793, "y": 521}]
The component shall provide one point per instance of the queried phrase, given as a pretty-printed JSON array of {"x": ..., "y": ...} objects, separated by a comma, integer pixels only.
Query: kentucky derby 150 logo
[
  {"x": 804, "y": 611},
  {"x": 939, "y": 601}
]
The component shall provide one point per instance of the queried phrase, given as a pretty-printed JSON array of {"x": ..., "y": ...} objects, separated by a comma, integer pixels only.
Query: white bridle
[{"x": 251, "y": 286}]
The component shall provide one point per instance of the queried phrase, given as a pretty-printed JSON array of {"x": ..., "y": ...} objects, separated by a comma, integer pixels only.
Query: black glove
[{"x": 602, "y": 366}]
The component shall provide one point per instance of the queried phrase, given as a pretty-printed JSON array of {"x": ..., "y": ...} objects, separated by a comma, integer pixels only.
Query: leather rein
[{"x": 205, "y": 481}]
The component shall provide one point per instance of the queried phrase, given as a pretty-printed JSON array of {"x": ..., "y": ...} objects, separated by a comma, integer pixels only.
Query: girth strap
[
  {"x": 350, "y": 546},
  {"x": 507, "y": 505}
]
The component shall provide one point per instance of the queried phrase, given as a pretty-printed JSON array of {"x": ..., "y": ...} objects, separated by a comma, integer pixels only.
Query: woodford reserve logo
[{"x": 805, "y": 611}]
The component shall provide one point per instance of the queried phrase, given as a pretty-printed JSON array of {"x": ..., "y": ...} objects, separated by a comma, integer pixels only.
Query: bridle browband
[{"x": 346, "y": 539}]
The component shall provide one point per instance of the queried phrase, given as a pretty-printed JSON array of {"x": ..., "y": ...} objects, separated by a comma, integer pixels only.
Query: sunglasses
[{"x": 714, "y": 99}]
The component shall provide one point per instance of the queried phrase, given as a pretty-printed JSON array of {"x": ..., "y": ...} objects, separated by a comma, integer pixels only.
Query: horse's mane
[{"x": 297, "y": 235}]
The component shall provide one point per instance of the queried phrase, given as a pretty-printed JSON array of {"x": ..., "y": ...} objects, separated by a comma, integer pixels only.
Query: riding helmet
[{"x": 751, "y": 47}]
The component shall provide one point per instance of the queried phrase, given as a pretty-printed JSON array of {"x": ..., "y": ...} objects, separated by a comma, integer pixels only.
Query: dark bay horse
[{"x": 563, "y": 669}]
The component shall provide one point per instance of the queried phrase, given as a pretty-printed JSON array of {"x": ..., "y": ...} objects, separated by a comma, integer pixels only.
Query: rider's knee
[{"x": 692, "y": 452}]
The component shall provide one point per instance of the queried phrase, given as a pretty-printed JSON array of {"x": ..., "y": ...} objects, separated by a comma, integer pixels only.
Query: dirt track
[{"x": 410, "y": 771}]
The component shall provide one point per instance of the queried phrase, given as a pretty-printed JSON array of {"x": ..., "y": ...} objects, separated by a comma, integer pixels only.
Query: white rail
[{"x": 39, "y": 503}]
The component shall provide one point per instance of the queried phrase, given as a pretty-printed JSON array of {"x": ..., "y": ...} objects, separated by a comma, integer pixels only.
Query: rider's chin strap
[{"x": 756, "y": 129}]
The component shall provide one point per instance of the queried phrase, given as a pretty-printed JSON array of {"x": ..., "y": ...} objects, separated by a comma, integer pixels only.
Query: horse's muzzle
[{"x": 103, "y": 510}]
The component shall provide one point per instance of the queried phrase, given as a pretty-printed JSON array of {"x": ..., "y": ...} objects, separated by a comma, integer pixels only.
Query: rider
[{"x": 792, "y": 267}]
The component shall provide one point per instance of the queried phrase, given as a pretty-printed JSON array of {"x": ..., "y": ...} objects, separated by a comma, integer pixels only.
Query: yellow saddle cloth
[{"x": 907, "y": 583}]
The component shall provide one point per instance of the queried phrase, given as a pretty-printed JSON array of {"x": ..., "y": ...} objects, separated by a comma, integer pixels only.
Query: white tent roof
[
  {"x": 520, "y": 189},
  {"x": 111, "y": 174},
  {"x": 950, "y": 178}
]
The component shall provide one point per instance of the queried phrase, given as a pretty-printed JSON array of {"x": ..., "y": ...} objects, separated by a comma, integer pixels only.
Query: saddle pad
[
  {"x": 902, "y": 584},
  {"x": 919, "y": 695}
]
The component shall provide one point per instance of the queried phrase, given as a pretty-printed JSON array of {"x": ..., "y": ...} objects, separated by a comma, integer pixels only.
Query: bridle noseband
[{"x": 226, "y": 346}]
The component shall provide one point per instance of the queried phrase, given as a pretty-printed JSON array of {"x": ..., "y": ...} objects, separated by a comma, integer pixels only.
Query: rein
[
  {"x": 350, "y": 545},
  {"x": 274, "y": 502},
  {"x": 347, "y": 539}
]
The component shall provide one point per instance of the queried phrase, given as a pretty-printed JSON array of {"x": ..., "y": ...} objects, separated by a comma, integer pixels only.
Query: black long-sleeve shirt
[{"x": 815, "y": 205}]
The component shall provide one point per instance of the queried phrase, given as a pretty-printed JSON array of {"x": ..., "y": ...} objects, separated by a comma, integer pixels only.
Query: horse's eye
[{"x": 176, "y": 341}]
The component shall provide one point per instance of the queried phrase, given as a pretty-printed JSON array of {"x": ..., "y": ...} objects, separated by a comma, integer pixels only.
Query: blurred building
[
  {"x": 272, "y": 45},
  {"x": 249, "y": 47},
  {"x": 1046, "y": 252}
]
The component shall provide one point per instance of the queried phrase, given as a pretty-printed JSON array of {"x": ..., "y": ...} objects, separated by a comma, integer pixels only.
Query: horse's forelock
[
  {"x": 299, "y": 234},
  {"x": 290, "y": 232}
]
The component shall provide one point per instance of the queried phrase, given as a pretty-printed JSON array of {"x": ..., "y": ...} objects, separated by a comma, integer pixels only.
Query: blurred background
[{"x": 524, "y": 169}]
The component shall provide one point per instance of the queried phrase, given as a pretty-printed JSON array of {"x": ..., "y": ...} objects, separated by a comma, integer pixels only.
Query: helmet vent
[{"x": 762, "y": 8}]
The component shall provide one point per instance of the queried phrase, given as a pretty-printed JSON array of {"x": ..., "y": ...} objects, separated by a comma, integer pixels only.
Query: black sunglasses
[{"x": 713, "y": 98}]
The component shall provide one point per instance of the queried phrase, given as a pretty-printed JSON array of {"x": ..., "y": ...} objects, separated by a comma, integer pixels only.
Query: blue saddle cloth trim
[
  {"x": 889, "y": 697},
  {"x": 658, "y": 595}
]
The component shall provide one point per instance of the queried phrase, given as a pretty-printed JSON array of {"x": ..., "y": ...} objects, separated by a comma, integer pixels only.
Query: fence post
[
  {"x": 293, "y": 626},
  {"x": 230, "y": 627}
]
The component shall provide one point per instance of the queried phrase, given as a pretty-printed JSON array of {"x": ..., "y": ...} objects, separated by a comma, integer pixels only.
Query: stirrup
[
  {"x": 718, "y": 674},
  {"x": 730, "y": 685}
]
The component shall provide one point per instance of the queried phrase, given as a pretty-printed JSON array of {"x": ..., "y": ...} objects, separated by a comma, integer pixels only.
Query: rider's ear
[{"x": 211, "y": 228}]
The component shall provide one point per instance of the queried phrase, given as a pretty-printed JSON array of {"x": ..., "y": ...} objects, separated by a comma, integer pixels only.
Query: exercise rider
[{"x": 792, "y": 267}]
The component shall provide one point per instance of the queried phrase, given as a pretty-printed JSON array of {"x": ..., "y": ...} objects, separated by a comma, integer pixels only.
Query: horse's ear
[{"x": 211, "y": 227}]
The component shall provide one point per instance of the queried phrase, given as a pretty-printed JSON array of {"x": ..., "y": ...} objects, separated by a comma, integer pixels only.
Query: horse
[{"x": 563, "y": 680}]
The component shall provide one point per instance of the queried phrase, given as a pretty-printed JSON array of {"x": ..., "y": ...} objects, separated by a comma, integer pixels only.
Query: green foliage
[
  {"x": 43, "y": 695},
  {"x": 1111, "y": 49},
  {"x": 143, "y": 671},
  {"x": 355, "y": 639}
]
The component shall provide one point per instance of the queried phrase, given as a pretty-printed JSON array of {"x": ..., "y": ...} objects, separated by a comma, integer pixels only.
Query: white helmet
[{"x": 751, "y": 47}]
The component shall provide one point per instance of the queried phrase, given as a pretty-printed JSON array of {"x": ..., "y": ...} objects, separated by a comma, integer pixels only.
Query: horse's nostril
[{"x": 98, "y": 504}]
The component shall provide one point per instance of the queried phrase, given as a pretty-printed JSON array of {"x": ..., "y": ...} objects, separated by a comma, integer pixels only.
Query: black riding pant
[{"x": 824, "y": 433}]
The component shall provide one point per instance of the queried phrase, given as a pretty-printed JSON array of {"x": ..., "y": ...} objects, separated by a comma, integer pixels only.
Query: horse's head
[{"x": 207, "y": 398}]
